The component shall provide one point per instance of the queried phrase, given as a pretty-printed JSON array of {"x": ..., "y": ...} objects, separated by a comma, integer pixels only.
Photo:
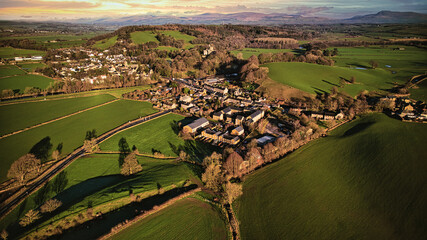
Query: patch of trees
[
  {"x": 166, "y": 40},
  {"x": 22, "y": 43}
]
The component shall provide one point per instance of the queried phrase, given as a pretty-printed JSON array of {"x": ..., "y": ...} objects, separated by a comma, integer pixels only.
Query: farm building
[
  {"x": 218, "y": 116},
  {"x": 265, "y": 139},
  {"x": 227, "y": 138},
  {"x": 239, "y": 120},
  {"x": 238, "y": 131},
  {"x": 211, "y": 134},
  {"x": 256, "y": 116},
  {"x": 197, "y": 124}
]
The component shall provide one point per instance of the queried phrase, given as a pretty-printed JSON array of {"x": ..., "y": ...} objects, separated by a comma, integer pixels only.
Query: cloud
[{"x": 47, "y": 4}]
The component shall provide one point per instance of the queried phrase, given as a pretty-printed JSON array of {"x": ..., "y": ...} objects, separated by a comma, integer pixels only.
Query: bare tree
[
  {"x": 4, "y": 234},
  {"x": 232, "y": 191},
  {"x": 183, "y": 156},
  {"x": 50, "y": 205},
  {"x": 90, "y": 146},
  {"x": 55, "y": 155},
  {"x": 24, "y": 168},
  {"x": 29, "y": 218},
  {"x": 213, "y": 177},
  {"x": 130, "y": 165},
  {"x": 233, "y": 163}
]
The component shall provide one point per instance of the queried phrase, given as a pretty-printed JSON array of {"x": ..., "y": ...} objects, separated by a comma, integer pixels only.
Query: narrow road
[{"x": 74, "y": 155}]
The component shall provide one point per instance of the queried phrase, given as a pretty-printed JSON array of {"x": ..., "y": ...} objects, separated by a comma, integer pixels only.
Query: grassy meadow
[
  {"x": 10, "y": 70},
  {"x": 314, "y": 78},
  {"x": 105, "y": 43},
  {"x": 95, "y": 180},
  {"x": 50, "y": 41},
  {"x": 70, "y": 131},
  {"x": 403, "y": 64},
  {"x": 23, "y": 81},
  {"x": 188, "y": 218},
  {"x": 9, "y": 52},
  {"x": 141, "y": 37},
  {"x": 248, "y": 52},
  {"x": 31, "y": 67},
  {"x": 21, "y": 115},
  {"x": 364, "y": 181},
  {"x": 158, "y": 135}
]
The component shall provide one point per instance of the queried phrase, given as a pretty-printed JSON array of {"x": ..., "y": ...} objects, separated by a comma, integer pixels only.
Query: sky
[{"x": 76, "y": 9}]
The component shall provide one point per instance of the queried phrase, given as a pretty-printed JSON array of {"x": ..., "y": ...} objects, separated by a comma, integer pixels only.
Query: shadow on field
[
  {"x": 358, "y": 128},
  {"x": 103, "y": 224},
  {"x": 41, "y": 149},
  {"x": 196, "y": 150},
  {"x": 358, "y": 65},
  {"x": 333, "y": 84},
  {"x": 319, "y": 91}
]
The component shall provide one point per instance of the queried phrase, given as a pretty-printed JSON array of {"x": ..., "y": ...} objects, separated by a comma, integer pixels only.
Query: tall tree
[
  {"x": 232, "y": 164},
  {"x": 50, "y": 205},
  {"x": 29, "y": 218},
  {"x": 24, "y": 168},
  {"x": 130, "y": 165},
  {"x": 232, "y": 191},
  {"x": 213, "y": 177}
]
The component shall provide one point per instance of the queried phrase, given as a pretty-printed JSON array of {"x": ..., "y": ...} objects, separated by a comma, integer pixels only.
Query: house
[
  {"x": 256, "y": 116},
  {"x": 229, "y": 139},
  {"x": 265, "y": 139},
  {"x": 185, "y": 99},
  {"x": 239, "y": 120},
  {"x": 218, "y": 116},
  {"x": 186, "y": 106},
  {"x": 211, "y": 134},
  {"x": 197, "y": 124},
  {"x": 19, "y": 59},
  {"x": 227, "y": 111},
  {"x": 238, "y": 131}
]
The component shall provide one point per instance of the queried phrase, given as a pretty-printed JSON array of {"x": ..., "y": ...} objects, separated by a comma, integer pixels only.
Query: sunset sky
[{"x": 72, "y": 9}]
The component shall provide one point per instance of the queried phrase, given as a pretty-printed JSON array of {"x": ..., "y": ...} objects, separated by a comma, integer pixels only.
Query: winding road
[{"x": 17, "y": 198}]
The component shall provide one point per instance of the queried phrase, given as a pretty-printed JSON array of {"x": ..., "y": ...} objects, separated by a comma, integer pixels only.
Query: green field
[
  {"x": 21, "y": 115},
  {"x": 31, "y": 67},
  {"x": 105, "y": 43},
  {"x": 23, "y": 81},
  {"x": 178, "y": 35},
  {"x": 405, "y": 63},
  {"x": 156, "y": 134},
  {"x": 116, "y": 92},
  {"x": 71, "y": 131},
  {"x": 364, "y": 181},
  {"x": 9, "y": 52},
  {"x": 314, "y": 78},
  {"x": 95, "y": 180},
  {"x": 167, "y": 48},
  {"x": 141, "y": 37},
  {"x": 10, "y": 70},
  {"x": 248, "y": 52},
  {"x": 186, "y": 219},
  {"x": 420, "y": 92},
  {"x": 51, "y": 41}
]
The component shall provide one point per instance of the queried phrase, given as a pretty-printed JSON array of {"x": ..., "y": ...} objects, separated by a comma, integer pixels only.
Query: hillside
[
  {"x": 365, "y": 181},
  {"x": 314, "y": 78}
]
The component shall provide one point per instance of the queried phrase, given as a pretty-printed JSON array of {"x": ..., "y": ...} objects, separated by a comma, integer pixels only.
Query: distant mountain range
[{"x": 257, "y": 19}]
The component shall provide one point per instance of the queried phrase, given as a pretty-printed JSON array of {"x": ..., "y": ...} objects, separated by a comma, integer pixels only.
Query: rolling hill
[{"x": 364, "y": 181}]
